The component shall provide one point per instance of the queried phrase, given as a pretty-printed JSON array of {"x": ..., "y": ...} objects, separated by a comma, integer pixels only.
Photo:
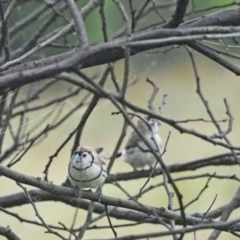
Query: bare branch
[
  {"x": 153, "y": 95},
  {"x": 54, "y": 189},
  {"x": 87, "y": 221},
  {"x": 79, "y": 24},
  {"x": 226, "y": 213},
  {"x": 178, "y": 15},
  {"x": 7, "y": 119},
  {"x": 38, "y": 215},
  {"x": 45, "y": 50},
  {"x": 6, "y": 232},
  {"x": 219, "y": 160},
  {"x": 124, "y": 15},
  {"x": 209, "y": 207},
  {"x": 110, "y": 223}
]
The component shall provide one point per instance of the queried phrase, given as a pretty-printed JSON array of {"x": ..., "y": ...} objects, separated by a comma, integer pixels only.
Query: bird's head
[
  {"x": 155, "y": 123},
  {"x": 83, "y": 154}
]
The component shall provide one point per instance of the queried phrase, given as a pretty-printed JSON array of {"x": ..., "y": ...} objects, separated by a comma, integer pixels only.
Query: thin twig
[
  {"x": 153, "y": 95},
  {"x": 109, "y": 221},
  {"x": 153, "y": 170},
  {"x": 49, "y": 230},
  {"x": 87, "y": 221},
  {"x": 209, "y": 208}
]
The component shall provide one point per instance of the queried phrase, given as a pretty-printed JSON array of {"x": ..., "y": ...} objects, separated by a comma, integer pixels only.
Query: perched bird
[
  {"x": 87, "y": 168},
  {"x": 136, "y": 153}
]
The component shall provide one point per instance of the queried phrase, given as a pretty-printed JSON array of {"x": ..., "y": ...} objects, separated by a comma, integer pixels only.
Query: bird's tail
[{"x": 117, "y": 156}]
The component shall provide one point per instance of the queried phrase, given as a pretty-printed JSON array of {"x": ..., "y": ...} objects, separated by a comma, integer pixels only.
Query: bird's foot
[
  {"x": 99, "y": 196},
  {"x": 89, "y": 190},
  {"x": 99, "y": 193},
  {"x": 78, "y": 191},
  {"x": 134, "y": 169}
]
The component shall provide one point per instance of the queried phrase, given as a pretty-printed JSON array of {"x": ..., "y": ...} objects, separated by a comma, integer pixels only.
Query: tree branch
[{"x": 6, "y": 232}]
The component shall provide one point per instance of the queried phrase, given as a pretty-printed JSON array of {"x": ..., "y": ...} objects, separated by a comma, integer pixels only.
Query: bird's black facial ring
[{"x": 81, "y": 154}]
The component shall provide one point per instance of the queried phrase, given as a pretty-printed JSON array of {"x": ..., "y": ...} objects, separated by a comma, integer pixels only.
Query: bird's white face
[
  {"x": 155, "y": 123},
  {"x": 82, "y": 159}
]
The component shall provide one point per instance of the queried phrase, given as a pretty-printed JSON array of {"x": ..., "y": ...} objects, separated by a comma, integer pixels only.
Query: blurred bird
[
  {"x": 87, "y": 169},
  {"x": 136, "y": 153}
]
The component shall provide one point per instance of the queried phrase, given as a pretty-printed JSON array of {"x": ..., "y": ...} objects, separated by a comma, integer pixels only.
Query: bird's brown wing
[
  {"x": 100, "y": 161},
  {"x": 134, "y": 138},
  {"x": 132, "y": 141},
  {"x": 101, "y": 157},
  {"x": 98, "y": 158}
]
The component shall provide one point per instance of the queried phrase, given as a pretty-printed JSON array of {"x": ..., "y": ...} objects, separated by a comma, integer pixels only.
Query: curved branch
[{"x": 178, "y": 15}]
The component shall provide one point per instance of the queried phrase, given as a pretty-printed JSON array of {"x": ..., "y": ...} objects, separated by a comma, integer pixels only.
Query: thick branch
[
  {"x": 6, "y": 232},
  {"x": 67, "y": 192},
  {"x": 220, "y": 160},
  {"x": 101, "y": 53}
]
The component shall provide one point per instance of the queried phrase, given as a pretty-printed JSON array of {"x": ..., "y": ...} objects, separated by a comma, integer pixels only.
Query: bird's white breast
[
  {"x": 136, "y": 155},
  {"x": 87, "y": 174}
]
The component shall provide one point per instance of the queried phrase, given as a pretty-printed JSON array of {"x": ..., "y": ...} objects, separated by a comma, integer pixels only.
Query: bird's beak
[{"x": 77, "y": 158}]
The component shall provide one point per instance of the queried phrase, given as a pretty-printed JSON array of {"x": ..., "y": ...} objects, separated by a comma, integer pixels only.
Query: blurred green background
[{"x": 173, "y": 74}]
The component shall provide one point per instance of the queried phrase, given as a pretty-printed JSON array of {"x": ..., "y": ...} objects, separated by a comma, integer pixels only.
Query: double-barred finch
[
  {"x": 136, "y": 153},
  {"x": 87, "y": 168}
]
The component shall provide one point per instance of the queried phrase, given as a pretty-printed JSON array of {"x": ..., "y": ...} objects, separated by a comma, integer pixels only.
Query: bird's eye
[{"x": 84, "y": 155}]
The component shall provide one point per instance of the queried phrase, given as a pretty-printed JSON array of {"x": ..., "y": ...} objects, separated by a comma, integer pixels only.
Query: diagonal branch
[
  {"x": 10, "y": 235},
  {"x": 226, "y": 213}
]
